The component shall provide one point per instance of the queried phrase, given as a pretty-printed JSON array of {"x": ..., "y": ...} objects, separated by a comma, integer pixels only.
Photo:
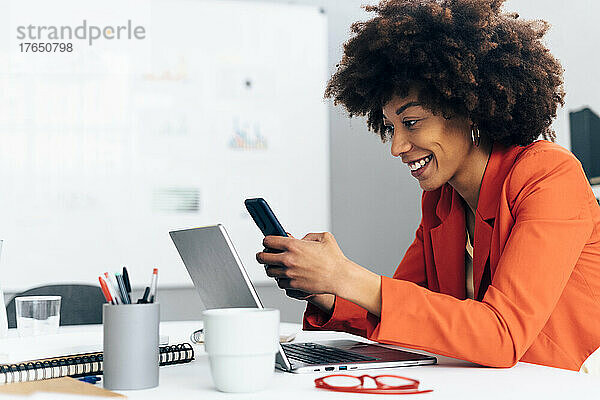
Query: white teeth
[{"x": 419, "y": 164}]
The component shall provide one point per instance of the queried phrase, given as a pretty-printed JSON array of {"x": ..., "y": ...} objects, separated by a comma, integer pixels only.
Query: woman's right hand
[
  {"x": 297, "y": 294},
  {"x": 324, "y": 301}
]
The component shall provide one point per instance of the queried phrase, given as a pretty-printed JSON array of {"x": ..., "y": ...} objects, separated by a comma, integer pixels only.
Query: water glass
[{"x": 37, "y": 315}]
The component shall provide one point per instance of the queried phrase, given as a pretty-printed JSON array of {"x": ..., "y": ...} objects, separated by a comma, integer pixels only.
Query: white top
[
  {"x": 469, "y": 268},
  {"x": 592, "y": 364}
]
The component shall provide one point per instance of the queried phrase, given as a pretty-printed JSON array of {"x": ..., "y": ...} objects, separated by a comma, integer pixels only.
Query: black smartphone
[
  {"x": 269, "y": 225},
  {"x": 264, "y": 217}
]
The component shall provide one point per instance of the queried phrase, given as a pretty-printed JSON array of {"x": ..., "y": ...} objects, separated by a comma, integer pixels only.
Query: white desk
[{"x": 450, "y": 379}]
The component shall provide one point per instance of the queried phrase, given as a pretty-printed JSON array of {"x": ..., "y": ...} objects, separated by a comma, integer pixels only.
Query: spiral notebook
[{"x": 78, "y": 365}]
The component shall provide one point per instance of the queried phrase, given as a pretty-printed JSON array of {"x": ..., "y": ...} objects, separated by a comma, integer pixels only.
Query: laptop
[{"x": 222, "y": 282}]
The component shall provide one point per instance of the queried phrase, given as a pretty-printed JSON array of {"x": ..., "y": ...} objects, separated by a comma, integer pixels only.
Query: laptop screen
[{"x": 217, "y": 271}]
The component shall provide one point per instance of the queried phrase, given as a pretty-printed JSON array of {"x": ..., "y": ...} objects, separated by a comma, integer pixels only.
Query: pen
[
  {"x": 124, "y": 295},
  {"x": 105, "y": 290},
  {"x": 153, "y": 285},
  {"x": 112, "y": 287},
  {"x": 144, "y": 298},
  {"x": 127, "y": 281},
  {"x": 90, "y": 379}
]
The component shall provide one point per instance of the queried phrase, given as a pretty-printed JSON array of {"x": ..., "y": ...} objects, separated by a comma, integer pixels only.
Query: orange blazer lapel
[
  {"x": 481, "y": 251},
  {"x": 448, "y": 243},
  {"x": 499, "y": 164}
]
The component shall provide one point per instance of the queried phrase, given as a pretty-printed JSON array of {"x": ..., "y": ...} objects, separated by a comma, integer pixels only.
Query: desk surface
[{"x": 450, "y": 379}]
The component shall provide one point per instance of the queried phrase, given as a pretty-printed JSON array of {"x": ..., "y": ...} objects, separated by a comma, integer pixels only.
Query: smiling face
[{"x": 436, "y": 150}]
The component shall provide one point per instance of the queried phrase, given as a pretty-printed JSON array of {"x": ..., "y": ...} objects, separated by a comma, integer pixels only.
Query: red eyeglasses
[{"x": 385, "y": 384}]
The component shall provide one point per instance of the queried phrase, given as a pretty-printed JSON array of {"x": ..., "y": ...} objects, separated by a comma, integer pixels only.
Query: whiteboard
[{"x": 108, "y": 148}]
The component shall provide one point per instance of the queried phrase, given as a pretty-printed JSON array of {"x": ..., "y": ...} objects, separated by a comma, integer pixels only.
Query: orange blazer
[{"x": 536, "y": 270}]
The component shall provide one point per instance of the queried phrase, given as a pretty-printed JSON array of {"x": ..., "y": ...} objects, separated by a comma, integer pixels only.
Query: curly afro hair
[{"x": 464, "y": 57}]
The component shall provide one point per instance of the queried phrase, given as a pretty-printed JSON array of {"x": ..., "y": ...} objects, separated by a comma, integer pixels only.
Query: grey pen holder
[{"x": 131, "y": 356}]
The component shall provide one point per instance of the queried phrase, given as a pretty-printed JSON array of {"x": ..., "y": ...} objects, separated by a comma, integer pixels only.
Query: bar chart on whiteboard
[{"x": 107, "y": 148}]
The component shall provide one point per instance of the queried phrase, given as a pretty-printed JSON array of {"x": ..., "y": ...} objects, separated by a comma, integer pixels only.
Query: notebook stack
[{"x": 79, "y": 365}]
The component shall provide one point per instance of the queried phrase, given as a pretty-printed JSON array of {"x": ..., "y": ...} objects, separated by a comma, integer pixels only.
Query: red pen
[
  {"x": 105, "y": 290},
  {"x": 153, "y": 285},
  {"x": 111, "y": 284}
]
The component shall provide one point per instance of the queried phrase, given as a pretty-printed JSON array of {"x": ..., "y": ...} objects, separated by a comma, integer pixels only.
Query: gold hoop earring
[{"x": 475, "y": 136}]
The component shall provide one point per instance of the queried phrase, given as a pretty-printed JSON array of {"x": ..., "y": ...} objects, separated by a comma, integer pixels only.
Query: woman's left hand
[{"x": 314, "y": 264}]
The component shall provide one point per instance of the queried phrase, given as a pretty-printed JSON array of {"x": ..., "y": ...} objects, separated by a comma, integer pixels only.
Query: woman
[{"x": 505, "y": 266}]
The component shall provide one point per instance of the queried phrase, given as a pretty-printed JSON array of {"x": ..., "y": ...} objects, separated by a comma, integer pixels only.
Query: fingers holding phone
[
  {"x": 315, "y": 265},
  {"x": 265, "y": 219},
  {"x": 284, "y": 283}
]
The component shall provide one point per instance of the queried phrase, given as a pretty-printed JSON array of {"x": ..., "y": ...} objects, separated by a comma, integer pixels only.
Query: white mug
[{"x": 241, "y": 344}]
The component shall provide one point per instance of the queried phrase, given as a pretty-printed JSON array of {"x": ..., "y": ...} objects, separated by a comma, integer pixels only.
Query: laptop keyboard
[{"x": 313, "y": 353}]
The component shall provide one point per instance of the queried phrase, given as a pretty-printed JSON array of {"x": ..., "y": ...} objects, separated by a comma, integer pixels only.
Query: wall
[
  {"x": 572, "y": 39},
  {"x": 374, "y": 201}
]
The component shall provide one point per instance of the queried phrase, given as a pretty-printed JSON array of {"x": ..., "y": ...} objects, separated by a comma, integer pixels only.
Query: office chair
[{"x": 80, "y": 304}]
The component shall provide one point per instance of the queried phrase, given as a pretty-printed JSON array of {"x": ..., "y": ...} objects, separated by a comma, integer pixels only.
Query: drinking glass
[{"x": 37, "y": 315}]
